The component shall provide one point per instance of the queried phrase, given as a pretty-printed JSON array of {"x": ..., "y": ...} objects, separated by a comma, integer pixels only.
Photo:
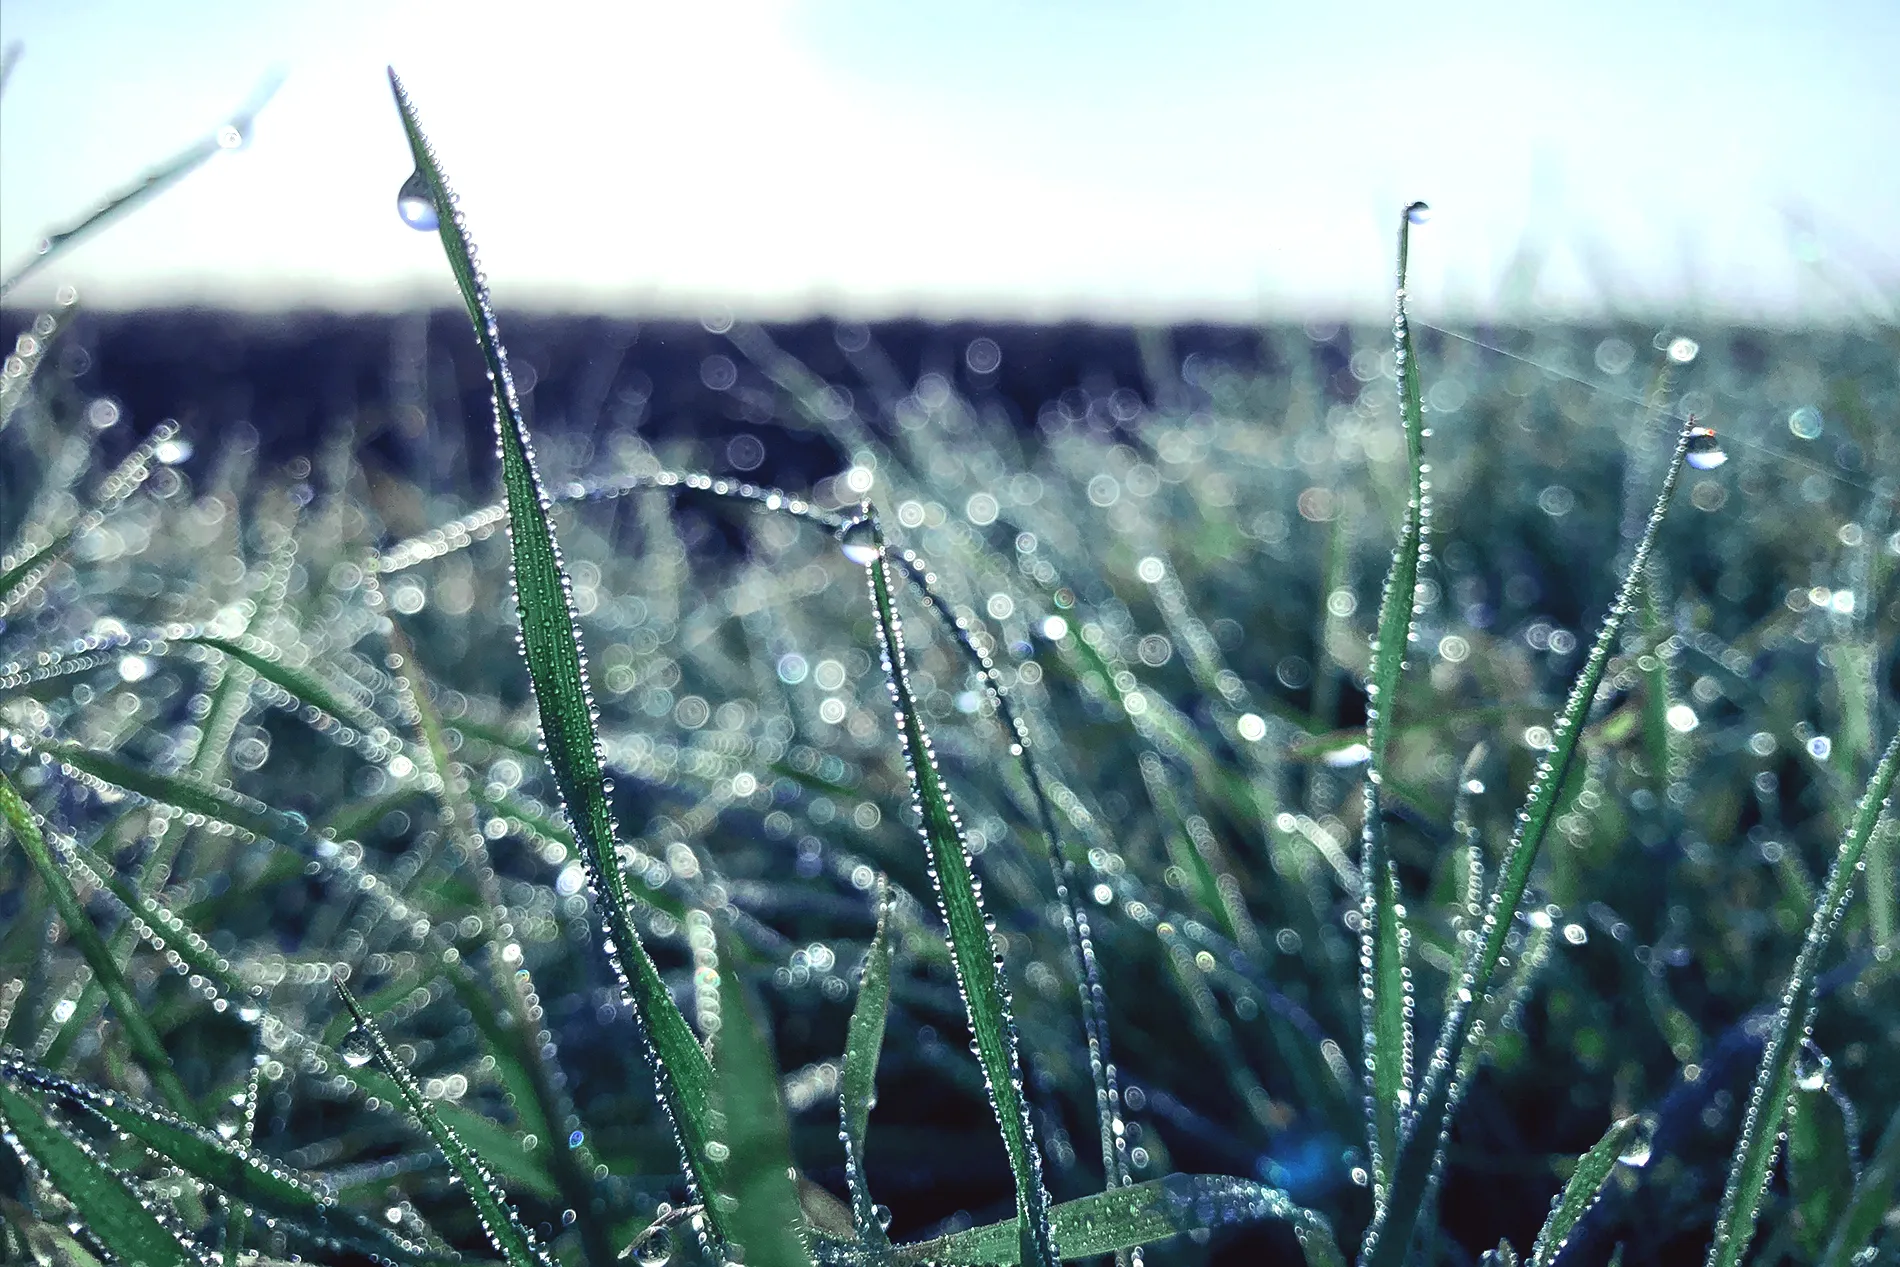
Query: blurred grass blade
[
  {"x": 1385, "y": 986},
  {"x": 1821, "y": 1161},
  {"x": 505, "y": 1230},
  {"x": 1793, "y": 1020},
  {"x": 759, "y": 1196},
  {"x": 264, "y": 660},
  {"x": 1873, "y": 1199},
  {"x": 105, "y": 967},
  {"x": 1586, "y": 1185},
  {"x": 16, "y": 378},
  {"x": 1421, "y": 1152},
  {"x": 232, "y": 134},
  {"x": 19, "y": 576},
  {"x": 111, "y": 1212},
  {"x": 857, "y": 1083},
  {"x": 254, "y": 1181},
  {"x": 1139, "y": 1214},
  {"x": 978, "y": 965},
  {"x": 551, "y": 647}
]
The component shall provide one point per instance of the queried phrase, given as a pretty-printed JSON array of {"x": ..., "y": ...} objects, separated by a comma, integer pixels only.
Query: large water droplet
[
  {"x": 858, "y": 541},
  {"x": 1419, "y": 212},
  {"x": 1705, "y": 449},
  {"x": 882, "y": 1213},
  {"x": 654, "y": 1248},
  {"x": 357, "y": 1049},
  {"x": 1636, "y": 1152},
  {"x": 415, "y": 203}
]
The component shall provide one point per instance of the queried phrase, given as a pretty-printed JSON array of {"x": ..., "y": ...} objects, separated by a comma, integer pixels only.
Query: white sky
[{"x": 976, "y": 157}]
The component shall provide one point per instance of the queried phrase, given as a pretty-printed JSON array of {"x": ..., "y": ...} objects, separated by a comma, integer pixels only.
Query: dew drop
[
  {"x": 882, "y": 1213},
  {"x": 416, "y": 204},
  {"x": 653, "y": 1249},
  {"x": 356, "y": 1048},
  {"x": 1419, "y": 212},
  {"x": 1705, "y": 449},
  {"x": 858, "y": 541},
  {"x": 1636, "y": 1152}
]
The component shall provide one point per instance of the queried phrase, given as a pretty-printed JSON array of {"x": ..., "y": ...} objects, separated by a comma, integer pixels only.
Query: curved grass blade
[
  {"x": 1421, "y": 1152},
  {"x": 505, "y": 1230},
  {"x": 551, "y": 648},
  {"x": 1384, "y": 985},
  {"x": 262, "y": 659},
  {"x": 99, "y": 957},
  {"x": 1873, "y": 1198},
  {"x": 759, "y": 1195},
  {"x": 857, "y": 1083},
  {"x": 238, "y": 1172},
  {"x": 232, "y": 134},
  {"x": 113, "y": 1213},
  {"x": 1585, "y": 1186},
  {"x": 1139, "y": 1214},
  {"x": 979, "y": 968},
  {"x": 1821, "y": 1160},
  {"x": 1768, "y": 1104},
  {"x": 20, "y": 368}
]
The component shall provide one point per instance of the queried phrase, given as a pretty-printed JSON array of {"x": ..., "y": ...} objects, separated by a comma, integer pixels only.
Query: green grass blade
[
  {"x": 1422, "y": 1152},
  {"x": 857, "y": 1083},
  {"x": 1139, "y": 1214},
  {"x": 978, "y": 966},
  {"x": 1755, "y": 1151},
  {"x": 263, "y": 659},
  {"x": 759, "y": 1195},
  {"x": 1820, "y": 1162},
  {"x": 111, "y": 1211},
  {"x": 551, "y": 647},
  {"x": 99, "y": 957},
  {"x": 1385, "y": 987},
  {"x": 1585, "y": 1186},
  {"x": 505, "y": 1230},
  {"x": 1873, "y": 1198},
  {"x": 238, "y": 1172}
]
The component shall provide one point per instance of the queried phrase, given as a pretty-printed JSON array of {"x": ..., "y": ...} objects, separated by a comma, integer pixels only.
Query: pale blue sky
[{"x": 1037, "y": 159}]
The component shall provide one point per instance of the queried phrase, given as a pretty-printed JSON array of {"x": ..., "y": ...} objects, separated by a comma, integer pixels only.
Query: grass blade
[
  {"x": 1385, "y": 987},
  {"x": 857, "y": 1083},
  {"x": 1585, "y": 1186},
  {"x": 1141, "y": 1213},
  {"x": 99, "y": 957},
  {"x": 1821, "y": 1161},
  {"x": 551, "y": 647},
  {"x": 113, "y": 1213},
  {"x": 1421, "y": 1152},
  {"x": 505, "y": 1230},
  {"x": 1873, "y": 1198},
  {"x": 978, "y": 966},
  {"x": 1755, "y": 1151},
  {"x": 759, "y": 1196}
]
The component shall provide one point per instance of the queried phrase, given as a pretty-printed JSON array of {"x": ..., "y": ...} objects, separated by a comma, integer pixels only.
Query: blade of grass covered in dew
[
  {"x": 1139, "y": 1214},
  {"x": 19, "y": 575},
  {"x": 1873, "y": 1198},
  {"x": 1076, "y": 919},
  {"x": 1385, "y": 986},
  {"x": 1585, "y": 1186},
  {"x": 521, "y": 1045},
  {"x": 234, "y": 1169},
  {"x": 112, "y": 1212},
  {"x": 1755, "y": 1151},
  {"x": 759, "y": 1194},
  {"x": 857, "y": 1082},
  {"x": 233, "y": 134},
  {"x": 79, "y": 926},
  {"x": 265, "y": 660},
  {"x": 551, "y": 648},
  {"x": 1421, "y": 1152},
  {"x": 505, "y": 1230},
  {"x": 16, "y": 378},
  {"x": 237, "y": 1214},
  {"x": 1821, "y": 1161},
  {"x": 979, "y": 968}
]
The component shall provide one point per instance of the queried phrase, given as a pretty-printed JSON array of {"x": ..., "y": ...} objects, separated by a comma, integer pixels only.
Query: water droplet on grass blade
[
  {"x": 1419, "y": 212},
  {"x": 356, "y": 1048},
  {"x": 1705, "y": 449},
  {"x": 654, "y": 1248},
  {"x": 858, "y": 541},
  {"x": 1637, "y": 1152},
  {"x": 882, "y": 1213},
  {"x": 415, "y": 203}
]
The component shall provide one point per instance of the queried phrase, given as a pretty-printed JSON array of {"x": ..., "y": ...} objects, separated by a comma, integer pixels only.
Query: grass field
[{"x": 1366, "y": 797}]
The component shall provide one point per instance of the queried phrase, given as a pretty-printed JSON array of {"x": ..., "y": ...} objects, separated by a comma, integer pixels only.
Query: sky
[{"x": 1039, "y": 160}]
